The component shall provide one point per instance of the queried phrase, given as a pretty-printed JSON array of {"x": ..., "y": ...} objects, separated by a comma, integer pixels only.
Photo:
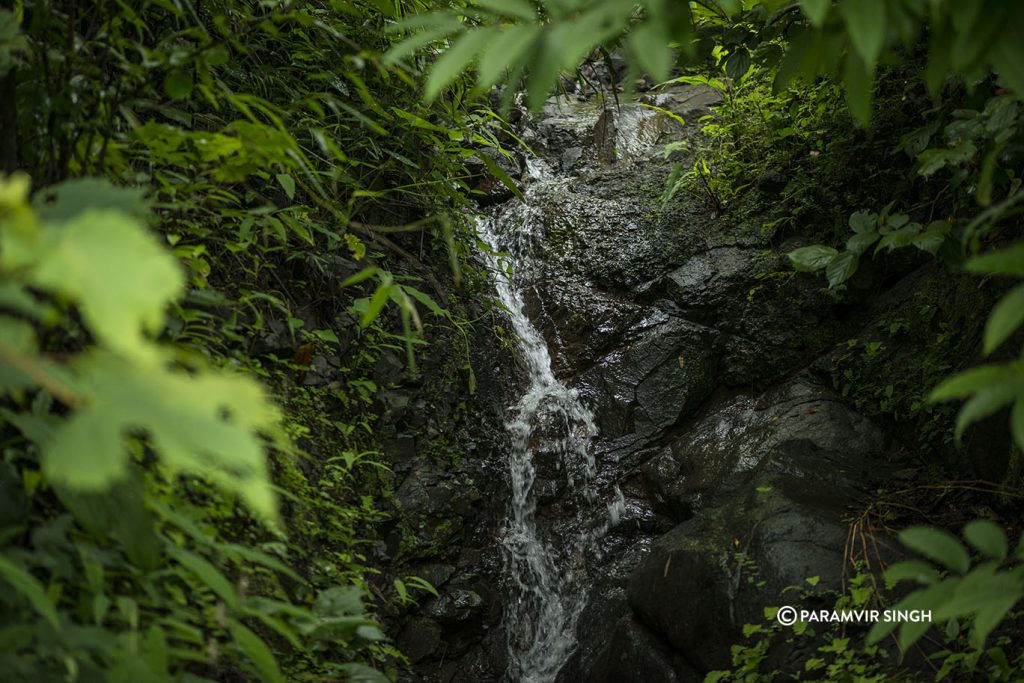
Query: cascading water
[
  {"x": 547, "y": 573},
  {"x": 547, "y": 559}
]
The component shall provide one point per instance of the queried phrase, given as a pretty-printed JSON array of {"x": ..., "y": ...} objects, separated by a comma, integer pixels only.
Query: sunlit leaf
[{"x": 120, "y": 277}]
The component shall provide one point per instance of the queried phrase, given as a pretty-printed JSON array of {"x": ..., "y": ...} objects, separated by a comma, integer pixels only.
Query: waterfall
[{"x": 547, "y": 570}]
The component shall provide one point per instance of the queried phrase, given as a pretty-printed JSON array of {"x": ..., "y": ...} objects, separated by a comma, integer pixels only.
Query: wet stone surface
[{"x": 676, "y": 418}]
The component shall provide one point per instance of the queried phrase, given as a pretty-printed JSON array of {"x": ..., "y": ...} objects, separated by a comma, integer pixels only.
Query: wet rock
[
  {"x": 419, "y": 639},
  {"x": 400, "y": 451},
  {"x": 800, "y": 424},
  {"x": 456, "y": 606},
  {"x": 771, "y": 480},
  {"x": 570, "y": 157},
  {"x": 639, "y": 655},
  {"x": 436, "y": 574},
  {"x": 665, "y": 371},
  {"x": 706, "y": 280},
  {"x": 772, "y": 182}
]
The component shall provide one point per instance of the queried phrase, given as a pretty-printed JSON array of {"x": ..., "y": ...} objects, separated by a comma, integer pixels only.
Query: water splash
[
  {"x": 548, "y": 574},
  {"x": 616, "y": 508}
]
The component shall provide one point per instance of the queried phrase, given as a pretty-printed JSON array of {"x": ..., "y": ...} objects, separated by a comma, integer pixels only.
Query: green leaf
[
  {"x": 426, "y": 300},
  {"x": 364, "y": 274},
  {"x": 1009, "y": 261},
  {"x": 648, "y": 42},
  {"x": 865, "y": 21},
  {"x": 738, "y": 64},
  {"x": 257, "y": 652},
  {"x": 858, "y": 85},
  {"x": 1006, "y": 317},
  {"x": 896, "y": 239},
  {"x": 67, "y": 461},
  {"x": 421, "y": 39},
  {"x": 816, "y": 10},
  {"x": 983, "y": 403},
  {"x": 566, "y": 43},
  {"x": 937, "y": 545},
  {"x": 202, "y": 422},
  {"x": 519, "y": 9},
  {"x": 207, "y": 573},
  {"x": 924, "y": 600},
  {"x": 120, "y": 277},
  {"x": 456, "y": 59},
  {"x": 66, "y": 200},
  {"x": 498, "y": 172},
  {"x": 841, "y": 268},
  {"x": 217, "y": 55},
  {"x": 989, "y": 614},
  {"x": 287, "y": 184},
  {"x": 13, "y": 297},
  {"x": 1017, "y": 423},
  {"x": 505, "y": 50},
  {"x": 988, "y": 537},
  {"x": 862, "y": 222},
  {"x": 360, "y": 673},
  {"x": 814, "y": 257},
  {"x": 119, "y": 511},
  {"x": 277, "y": 625},
  {"x": 860, "y": 242},
  {"x": 976, "y": 379},
  {"x": 377, "y": 302},
  {"x": 912, "y": 570},
  {"x": 983, "y": 588},
  {"x": 30, "y": 588},
  {"x": 1006, "y": 51},
  {"x": 933, "y": 237},
  {"x": 178, "y": 84},
  {"x": 339, "y": 601},
  {"x": 931, "y": 160}
]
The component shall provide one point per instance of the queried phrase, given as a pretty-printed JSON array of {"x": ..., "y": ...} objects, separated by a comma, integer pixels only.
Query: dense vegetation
[
  {"x": 189, "y": 184},
  {"x": 163, "y": 516}
]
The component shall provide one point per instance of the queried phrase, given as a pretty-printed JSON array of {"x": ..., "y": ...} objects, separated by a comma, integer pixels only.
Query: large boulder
[{"x": 769, "y": 482}]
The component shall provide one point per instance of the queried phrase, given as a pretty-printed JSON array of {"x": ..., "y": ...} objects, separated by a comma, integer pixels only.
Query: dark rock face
[
  {"x": 771, "y": 480},
  {"x": 798, "y": 425},
  {"x": 666, "y": 321},
  {"x": 640, "y": 655},
  {"x": 735, "y": 463}
]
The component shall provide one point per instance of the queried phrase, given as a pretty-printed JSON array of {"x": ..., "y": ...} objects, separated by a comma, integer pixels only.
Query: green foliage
[
  {"x": 828, "y": 652},
  {"x": 885, "y": 232},
  {"x": 126, "y": 392},
  {"x": 102, "y": 261},
  {"x": 846, "y": 40},
  {"x": 171, "y": 521},
  {"x": 536, "y": 44},
  {"x": 982, "y": 593},
  {"x": 973, "y": 156}
]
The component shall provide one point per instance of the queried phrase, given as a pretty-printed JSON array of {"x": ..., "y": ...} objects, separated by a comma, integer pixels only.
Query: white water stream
[{"x": 548, "y": 573}]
